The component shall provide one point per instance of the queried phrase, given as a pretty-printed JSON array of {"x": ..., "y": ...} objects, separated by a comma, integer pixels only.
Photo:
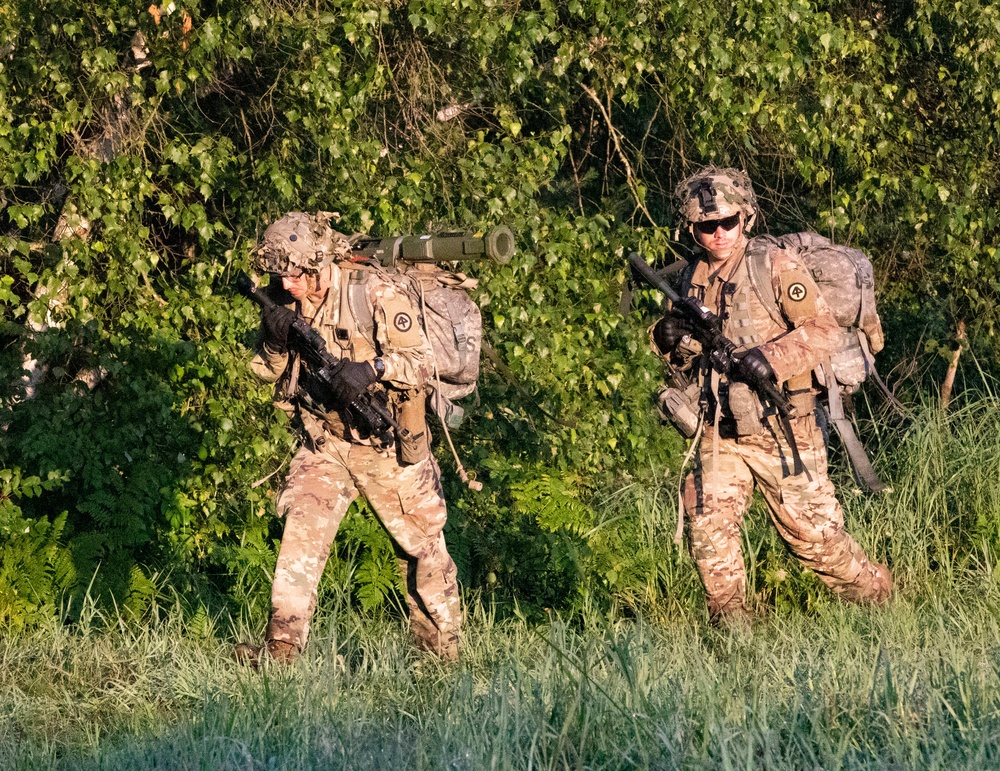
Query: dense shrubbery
[{"x": 136, "y": 173}]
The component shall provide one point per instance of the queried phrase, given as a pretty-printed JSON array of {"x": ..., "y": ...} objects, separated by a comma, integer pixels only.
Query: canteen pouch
[
  {"x": 411, "y": 414},
  {"x": 680, "y": 407}
]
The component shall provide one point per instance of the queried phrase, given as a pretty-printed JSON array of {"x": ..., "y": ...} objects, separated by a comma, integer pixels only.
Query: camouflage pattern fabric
[
  {"x": 300, "y": 240},
  {"x": 803, "y": 507},
  {"x": 336, "y": 463},
  {"x": 409, "y": 502},
  {"x": 713, "y": 193},
  {"x": 395, "y": 334},
  {"x": 812, "y": 332}
]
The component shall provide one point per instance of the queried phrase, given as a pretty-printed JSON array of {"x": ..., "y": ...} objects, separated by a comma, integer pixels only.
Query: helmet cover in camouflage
[
  {"x": 712, "y": 193},
  {"x": 300, "y": 241}
]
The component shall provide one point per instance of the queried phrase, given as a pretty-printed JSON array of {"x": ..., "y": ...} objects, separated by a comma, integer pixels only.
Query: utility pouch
[
  {"x": 411, "y": 415},
  {"x": 680, "y": 407},
  {"x": 334, "y": 423},
  {"x": 313, "y": 427},
  {"x": 745, "y": 408}
]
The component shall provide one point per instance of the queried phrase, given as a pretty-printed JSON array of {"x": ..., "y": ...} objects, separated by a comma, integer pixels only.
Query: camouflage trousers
[
  {"x": 410, "y": 504},
  {"x": 803, "y": 507}
]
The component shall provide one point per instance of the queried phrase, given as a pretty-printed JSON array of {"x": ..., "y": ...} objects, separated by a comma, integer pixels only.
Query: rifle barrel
[{"x": 651, "y": 277}]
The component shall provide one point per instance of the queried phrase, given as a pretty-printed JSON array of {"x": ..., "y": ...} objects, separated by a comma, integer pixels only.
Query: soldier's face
[{"x": 721, "y": 238}]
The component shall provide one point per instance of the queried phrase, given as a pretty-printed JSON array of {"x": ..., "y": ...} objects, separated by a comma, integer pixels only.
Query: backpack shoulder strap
[
  {"x": 864, "y": 472},
  {"x": 357, "y": 298},
  {"x": 759, "y": 268}
]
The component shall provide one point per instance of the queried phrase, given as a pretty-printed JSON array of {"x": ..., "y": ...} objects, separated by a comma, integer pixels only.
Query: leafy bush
[
  {"x": 142, "y": 153},
  {"x": 35, "y": 567}
]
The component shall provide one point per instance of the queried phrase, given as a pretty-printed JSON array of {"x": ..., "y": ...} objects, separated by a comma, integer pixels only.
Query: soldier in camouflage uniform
[
  {"x": 744, "y": 443},
  {"x": 313, "y": 275}
]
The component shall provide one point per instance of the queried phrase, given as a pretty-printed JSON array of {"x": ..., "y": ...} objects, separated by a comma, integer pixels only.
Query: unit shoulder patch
[
  {"x": 402, "y": 321},
  {"x": 798, "y": 294},
  {"x": 402, "y": 329}
]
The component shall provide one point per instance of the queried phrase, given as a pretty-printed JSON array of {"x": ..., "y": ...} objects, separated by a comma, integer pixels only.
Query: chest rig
[
  {"x": 350, "y": 326},
  {"x": 732, "y": 406},
  {"x": 336, "y": 321}
]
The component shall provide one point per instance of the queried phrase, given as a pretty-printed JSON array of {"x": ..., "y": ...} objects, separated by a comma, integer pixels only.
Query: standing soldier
[
  {"x": 744, "y": 441},
  {"x": 367, "y": 320}
]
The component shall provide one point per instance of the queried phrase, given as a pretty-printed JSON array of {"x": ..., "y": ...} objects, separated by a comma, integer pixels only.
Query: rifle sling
[{"x": 863, "y": 470}]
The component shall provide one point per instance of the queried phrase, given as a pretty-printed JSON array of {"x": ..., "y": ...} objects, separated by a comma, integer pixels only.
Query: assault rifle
[
  {"x": 369, "y": 408},
  {"x": 708, "y": 331}
]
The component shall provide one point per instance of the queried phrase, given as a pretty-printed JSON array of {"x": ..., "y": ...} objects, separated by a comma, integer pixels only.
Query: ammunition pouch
[
  {"x": 681, "y": 408},
  {"x": 411, "y": 415},
  {"x": 334, "y": 423},
  {"x": 745, "y": 407},
  {"x": 685, "y": 352},
  {"x": 313, "y": 429}
]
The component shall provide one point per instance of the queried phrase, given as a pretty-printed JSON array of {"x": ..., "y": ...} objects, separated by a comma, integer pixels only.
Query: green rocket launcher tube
[{"x": 497, "y": 245}]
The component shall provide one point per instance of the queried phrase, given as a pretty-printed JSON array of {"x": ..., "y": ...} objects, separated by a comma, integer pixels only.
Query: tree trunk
[{"x": 949, "y": 379}]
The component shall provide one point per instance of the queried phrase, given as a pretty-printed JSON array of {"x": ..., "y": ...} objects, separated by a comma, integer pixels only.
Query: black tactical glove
[
  {"x": 275, "y": 323},
  {"x": 752, "y": 366},
  {"x": 669, "y": 331},
  {"x": 350, "y": 379}
]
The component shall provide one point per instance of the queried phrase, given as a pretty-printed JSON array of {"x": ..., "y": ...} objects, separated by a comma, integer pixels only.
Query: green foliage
[
  {"x": 913, "y": 685},
  {"x": 35, "y": 567},
  {"x": 132, "y": 187},
  {"x": 377, "y": 579}
]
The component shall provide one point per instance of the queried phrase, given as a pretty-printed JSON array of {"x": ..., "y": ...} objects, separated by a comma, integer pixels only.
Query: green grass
[
  {"x": 815, "y": 684},
  {"x": 916, "y": 685}
]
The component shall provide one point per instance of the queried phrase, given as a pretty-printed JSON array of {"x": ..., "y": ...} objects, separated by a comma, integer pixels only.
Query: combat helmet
[
  {"x": 300, "y": 241},
  {"x": 713, "y": 193}
]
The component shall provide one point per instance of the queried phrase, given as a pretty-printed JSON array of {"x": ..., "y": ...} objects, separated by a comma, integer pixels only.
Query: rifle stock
[{"x": 708, "y": 331}]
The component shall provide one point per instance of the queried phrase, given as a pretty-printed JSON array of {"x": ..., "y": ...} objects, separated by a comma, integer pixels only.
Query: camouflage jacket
[
  {"x": 396, "y": 334},
  {"x": 808, "y": 338}
]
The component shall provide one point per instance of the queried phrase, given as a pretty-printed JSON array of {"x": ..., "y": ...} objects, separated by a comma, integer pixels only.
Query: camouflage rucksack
[
  {"x": 453, "y": 324},
  {"x": 847, "y": 282}
]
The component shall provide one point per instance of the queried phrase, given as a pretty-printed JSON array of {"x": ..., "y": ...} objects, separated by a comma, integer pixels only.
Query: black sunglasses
[{"x": 708, "y": 227}]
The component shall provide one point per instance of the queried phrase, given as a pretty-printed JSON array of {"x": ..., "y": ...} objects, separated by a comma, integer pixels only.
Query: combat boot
[
  {"x": 881, "y": 585},
  {"x": 282, "y": 652},
  {"x": 252, "y": 656},
  {"x": 248, "y": 654}
]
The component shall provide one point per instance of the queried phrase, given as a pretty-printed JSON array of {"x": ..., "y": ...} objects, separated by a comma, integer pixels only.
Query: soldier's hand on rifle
[
  {"x": 350, "y": 379},
  {"x": 753, "y": 366},
  {"x": 276, "y": 321},
  {"x": 669, "y": 331}
]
